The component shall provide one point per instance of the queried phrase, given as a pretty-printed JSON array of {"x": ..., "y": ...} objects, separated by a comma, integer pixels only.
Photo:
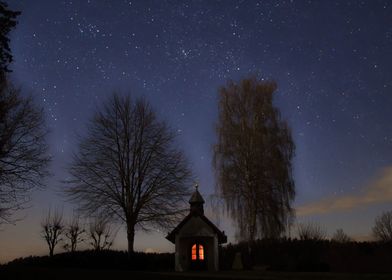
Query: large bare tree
[
  {"x": 128, "y": 167},
  {"x": 252, "y": 159},
  {"x": 23, "y": 149}
]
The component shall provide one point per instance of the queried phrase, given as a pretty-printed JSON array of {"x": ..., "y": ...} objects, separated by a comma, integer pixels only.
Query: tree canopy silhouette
[
  {"x": 7, "y": 22},
  {"x": 23, "y": 150},
  {"x": 129, "y": 168},
  {"x": 382, "y": 229},
  {"x": 252, "y": 159},
  {"x": 340, "y": 236},
  {"x": 311, "y": 231}
]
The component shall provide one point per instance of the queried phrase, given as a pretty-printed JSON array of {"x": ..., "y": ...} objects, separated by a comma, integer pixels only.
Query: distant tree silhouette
[
  {"x": 340, "y": 236},
  {"x": 52, "y": 229},
  {"x": 101, "y": 234},
  {"x": 23, "y": 150},
  {"x": 252, "y": 159},
  {"x": 74, "y": 233},
  {"x": 311, "y": 231},
  {"x": 7, "y": 22},
  {"x": 382, "y": 229},
  {"x": 129, "y": 168}
]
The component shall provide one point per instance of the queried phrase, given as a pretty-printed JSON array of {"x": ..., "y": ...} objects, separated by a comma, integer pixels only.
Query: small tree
[
  {"x": 382, "y": 229},
  {"x": 74, "y": 232},
  {"x": 311, "y": 231},
  {"x": 340, "y": 236},
  {"x": 52, "y": 229},
  {"x": 101, "y": 234}
]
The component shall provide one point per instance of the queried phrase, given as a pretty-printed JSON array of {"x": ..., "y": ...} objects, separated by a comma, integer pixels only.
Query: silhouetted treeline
[
  {"x": 310, "y": 255},
  {"x": 105, "y": 259},
  {"x": 272, "y": 255}
]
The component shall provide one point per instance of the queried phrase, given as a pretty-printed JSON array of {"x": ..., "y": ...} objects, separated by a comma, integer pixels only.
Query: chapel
[{"x": 196, "y": 239}]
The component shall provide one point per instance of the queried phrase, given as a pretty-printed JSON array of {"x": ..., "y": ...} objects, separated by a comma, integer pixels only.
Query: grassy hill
[{"x": 263, "y": 259}]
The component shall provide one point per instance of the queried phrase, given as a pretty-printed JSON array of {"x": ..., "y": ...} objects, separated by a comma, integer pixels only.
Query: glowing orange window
[
  {"x": 197, "y": 252},
  {"x": 194, "y": 253},
  {"x": 201, "y": 252}
]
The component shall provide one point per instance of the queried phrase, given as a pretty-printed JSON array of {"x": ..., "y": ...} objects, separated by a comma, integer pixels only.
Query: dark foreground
[{"x": 13, "y": 273}]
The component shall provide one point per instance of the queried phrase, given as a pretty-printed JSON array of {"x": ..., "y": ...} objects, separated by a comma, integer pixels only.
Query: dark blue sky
[{"x": 332, "y": 61}]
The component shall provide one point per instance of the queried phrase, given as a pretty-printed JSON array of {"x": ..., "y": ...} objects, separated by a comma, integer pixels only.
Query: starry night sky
[{"x": 332, "y": 61}]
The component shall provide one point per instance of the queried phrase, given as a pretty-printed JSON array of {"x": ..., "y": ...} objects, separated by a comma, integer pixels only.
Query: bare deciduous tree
[
  {"x": 23, "y": 150},
  {"x": 52, "y": 229},
  {"x": 311, "y": 231},
  {"x": 129, "y": 168},
  {"x": 382, "y": 229},
  {"x": 340, "y": 236},
  {"x": 74, "y": 232},
  {"x": 252, "y": 159},
  {"x": 101, "y": 234}
]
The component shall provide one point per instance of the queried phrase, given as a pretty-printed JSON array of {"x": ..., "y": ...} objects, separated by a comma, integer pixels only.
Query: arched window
[
  {"x": 194, "y": 253},
  {"x": 197, "y": 252},
  {"x": 201, "y": 252}
]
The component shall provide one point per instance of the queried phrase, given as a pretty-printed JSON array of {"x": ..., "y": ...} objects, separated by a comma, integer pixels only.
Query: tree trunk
[{"x": 130, "y": 236}]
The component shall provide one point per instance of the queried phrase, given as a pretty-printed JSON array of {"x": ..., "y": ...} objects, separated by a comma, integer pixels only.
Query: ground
[{"x": 74, "y": 274}]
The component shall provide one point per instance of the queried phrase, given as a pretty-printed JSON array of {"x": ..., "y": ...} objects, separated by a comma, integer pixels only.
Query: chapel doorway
[{"x": 198, "y": 257}]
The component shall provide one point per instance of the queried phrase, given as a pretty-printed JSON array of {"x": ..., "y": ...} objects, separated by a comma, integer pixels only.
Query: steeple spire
[{"x": 196, "y": 201}]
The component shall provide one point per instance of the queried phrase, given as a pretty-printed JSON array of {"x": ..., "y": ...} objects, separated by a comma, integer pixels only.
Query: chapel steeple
[{"x": 196, "y": 201}]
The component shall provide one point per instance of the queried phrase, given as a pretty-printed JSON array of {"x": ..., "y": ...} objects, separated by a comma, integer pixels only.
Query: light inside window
[
  {"x": 197, "y": 252},
  {"x": 201, "y": 252},
  {"x": 194, "y": 253}
]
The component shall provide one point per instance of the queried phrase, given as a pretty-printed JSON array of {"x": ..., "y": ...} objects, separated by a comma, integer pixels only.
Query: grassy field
[{"x": 75, "y": 274}]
